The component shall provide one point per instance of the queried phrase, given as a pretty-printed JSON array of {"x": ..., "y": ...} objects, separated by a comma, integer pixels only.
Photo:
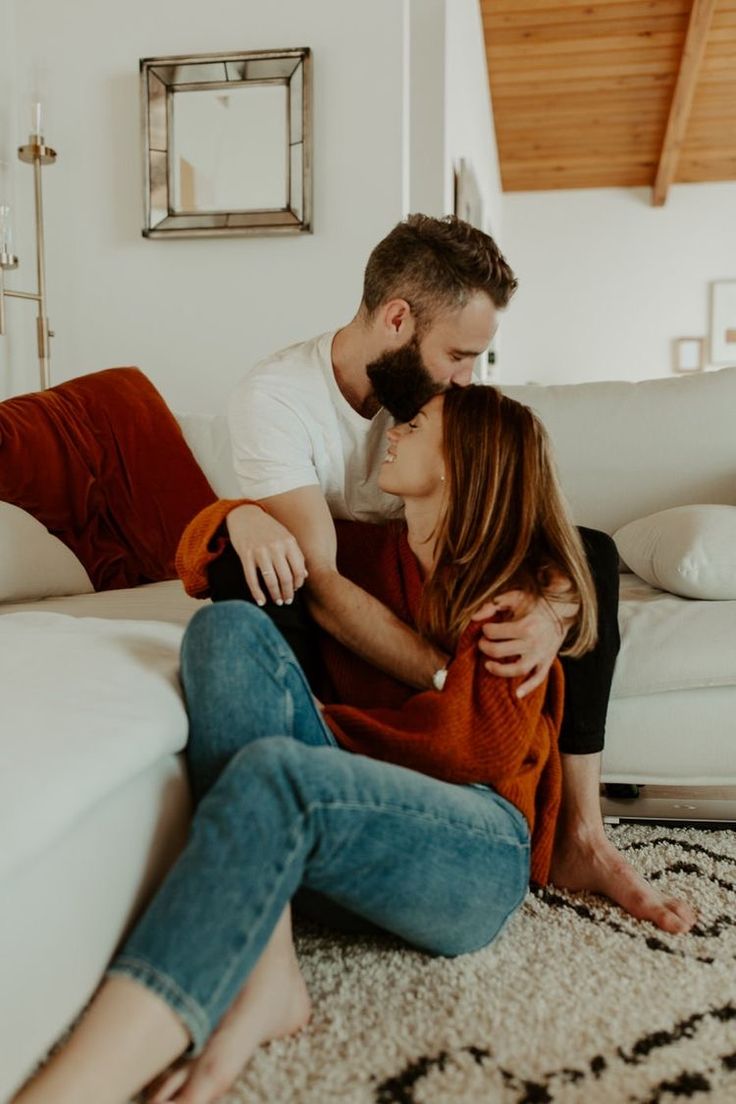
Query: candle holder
[{"x": 35, "y": 153}]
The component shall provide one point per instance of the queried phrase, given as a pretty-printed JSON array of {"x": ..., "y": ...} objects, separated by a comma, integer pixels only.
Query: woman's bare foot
[
  {"x": 593, "y": 863},
  {"x": 126, "y": 1035},
  {"x": 273, "y": 1003}
]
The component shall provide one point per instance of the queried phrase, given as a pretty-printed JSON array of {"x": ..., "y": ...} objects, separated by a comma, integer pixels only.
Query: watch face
[{"x": 439, "y": 678}]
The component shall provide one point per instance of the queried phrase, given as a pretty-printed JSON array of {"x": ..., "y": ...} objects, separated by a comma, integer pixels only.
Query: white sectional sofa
[
  {"x": 626, "y": 452},
  {"x": 94, "y": 803}
]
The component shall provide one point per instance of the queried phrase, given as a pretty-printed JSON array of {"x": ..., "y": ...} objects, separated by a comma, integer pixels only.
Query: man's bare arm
[{"x": 346, "y": 611}]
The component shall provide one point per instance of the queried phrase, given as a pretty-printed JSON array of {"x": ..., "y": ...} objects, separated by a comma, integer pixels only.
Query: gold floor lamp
[{"x": 35, "y": 153}]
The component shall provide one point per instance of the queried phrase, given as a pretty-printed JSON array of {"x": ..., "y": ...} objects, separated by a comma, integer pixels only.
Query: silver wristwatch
[{"x": 439, "y": 678}]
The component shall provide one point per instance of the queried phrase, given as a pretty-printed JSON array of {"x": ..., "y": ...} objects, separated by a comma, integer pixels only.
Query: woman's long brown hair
[{"x": 505, "y": 524}]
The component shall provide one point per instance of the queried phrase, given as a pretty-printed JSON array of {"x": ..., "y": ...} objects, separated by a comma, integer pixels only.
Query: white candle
[
  {"x": 6, "y": 199},
  {"x": 37, "y": 119},
  {"x": 6, "y": 230}
]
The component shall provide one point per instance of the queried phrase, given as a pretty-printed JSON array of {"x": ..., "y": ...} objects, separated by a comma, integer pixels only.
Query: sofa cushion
[
  {"x": 672, "y": 643},
  {"x": 34, "y": 564},
  {"x": 87, "y": 705},
  {"x": 166, "y": 601},
  {"x": 688, "y": 550},
  {"x": 625, "y": 450},
  {"x": 101, "y": 462}
]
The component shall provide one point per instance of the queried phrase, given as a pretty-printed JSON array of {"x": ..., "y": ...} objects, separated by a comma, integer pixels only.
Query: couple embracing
[{"x": 397, "y": 699}]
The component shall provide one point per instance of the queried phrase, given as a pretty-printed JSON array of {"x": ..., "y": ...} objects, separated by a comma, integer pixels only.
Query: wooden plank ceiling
[{"x": 583, "y": 92}]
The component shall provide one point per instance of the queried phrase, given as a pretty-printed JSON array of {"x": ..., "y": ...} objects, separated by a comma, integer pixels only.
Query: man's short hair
[{"x": 436, "y": 265}]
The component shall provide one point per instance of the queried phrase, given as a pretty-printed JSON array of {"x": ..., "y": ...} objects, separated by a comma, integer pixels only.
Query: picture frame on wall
[
  {"x": 468, "y": 199},
  {"x": 468, "y": 205},
  {"x": 723, "y": 323},
  {"x": 688, "y": 355}
]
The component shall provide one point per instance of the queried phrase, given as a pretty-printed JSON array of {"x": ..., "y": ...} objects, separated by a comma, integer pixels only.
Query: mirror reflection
[{"x": 231, "y": 149}]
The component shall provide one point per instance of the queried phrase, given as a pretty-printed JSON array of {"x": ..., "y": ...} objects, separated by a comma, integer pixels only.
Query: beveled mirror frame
[{"x": 163, "y": 76}]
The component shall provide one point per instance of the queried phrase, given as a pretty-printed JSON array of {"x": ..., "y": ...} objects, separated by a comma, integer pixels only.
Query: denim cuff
[{"x": 189, "y": 1011}]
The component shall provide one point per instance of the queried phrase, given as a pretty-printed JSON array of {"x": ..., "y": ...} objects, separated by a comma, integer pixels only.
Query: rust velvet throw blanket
[{"x": 101, "y": 462}]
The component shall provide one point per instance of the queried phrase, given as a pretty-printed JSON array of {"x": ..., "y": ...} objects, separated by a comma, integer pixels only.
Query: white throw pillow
[
  {"x": 33, "y": 563},
  {"x": 687, "y": 550}
]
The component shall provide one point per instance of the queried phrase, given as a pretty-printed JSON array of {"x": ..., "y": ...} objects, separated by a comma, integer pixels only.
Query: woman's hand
[
  {"x": 525, "y": 639},
  {"x": 266, "y": 549}
]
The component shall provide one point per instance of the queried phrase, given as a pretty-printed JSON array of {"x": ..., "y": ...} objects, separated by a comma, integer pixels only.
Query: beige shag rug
[{"x": 575, "y": 1003}]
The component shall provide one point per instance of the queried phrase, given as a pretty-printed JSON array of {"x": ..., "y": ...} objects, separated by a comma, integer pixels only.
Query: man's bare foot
[
  {"x": 273, "y": 1003},
  {"x": 593, "y": 863}
]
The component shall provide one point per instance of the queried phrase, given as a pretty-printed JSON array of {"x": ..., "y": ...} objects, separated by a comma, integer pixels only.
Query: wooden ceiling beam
[{"x": 692, "y": 56}]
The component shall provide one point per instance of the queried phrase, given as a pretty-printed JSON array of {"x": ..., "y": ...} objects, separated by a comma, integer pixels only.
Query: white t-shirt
[{"x": 291, "y": 426}]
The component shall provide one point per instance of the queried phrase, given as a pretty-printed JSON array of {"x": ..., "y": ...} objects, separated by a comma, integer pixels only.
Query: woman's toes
[
  {"x": 164, "y": 1087},
  {"x": 212, "y": 1075}
]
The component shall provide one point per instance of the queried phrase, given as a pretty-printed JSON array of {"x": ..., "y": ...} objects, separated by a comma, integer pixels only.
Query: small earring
[{"x": 442, "y": 479}]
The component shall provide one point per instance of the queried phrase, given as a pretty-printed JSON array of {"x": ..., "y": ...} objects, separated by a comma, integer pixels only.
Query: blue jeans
[{"x": 280, "y": 806}]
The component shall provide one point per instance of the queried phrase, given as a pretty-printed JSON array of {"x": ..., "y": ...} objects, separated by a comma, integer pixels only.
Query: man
[{"x": 308, "y": 429}]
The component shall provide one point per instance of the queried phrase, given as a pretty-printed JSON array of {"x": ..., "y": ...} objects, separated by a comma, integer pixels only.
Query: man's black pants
[{"x": 587, "y": 680}]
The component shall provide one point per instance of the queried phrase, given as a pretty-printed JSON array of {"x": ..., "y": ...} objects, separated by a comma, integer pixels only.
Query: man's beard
[{"x": 401, "y": 383}]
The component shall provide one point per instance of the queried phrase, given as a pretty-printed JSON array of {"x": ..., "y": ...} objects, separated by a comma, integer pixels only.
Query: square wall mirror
[{"x": 227, "y": 144}]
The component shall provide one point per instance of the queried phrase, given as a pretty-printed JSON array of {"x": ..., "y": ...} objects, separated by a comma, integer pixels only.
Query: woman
[{"x": 429, "y": 829}]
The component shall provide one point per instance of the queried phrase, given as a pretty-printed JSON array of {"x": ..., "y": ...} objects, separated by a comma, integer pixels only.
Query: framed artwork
[
  {"x": 469, "y": 206},
  {"x": 723, "y": 322},
  {"x": 468, "y": 200},
  {"x": 688, "y": 354}
]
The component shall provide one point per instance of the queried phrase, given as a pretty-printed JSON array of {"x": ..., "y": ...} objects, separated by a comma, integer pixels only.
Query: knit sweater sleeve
[
  {"x": 201, "y": 543},
  {"x": 474, "y": 730}
]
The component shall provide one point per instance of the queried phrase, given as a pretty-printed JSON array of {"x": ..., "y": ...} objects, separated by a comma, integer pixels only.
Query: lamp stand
[{"x": 36, "y": 153}]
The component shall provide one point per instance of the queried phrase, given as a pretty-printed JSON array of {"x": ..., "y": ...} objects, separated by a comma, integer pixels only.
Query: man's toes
[
  {"x": 673, "y": 916},
  {"x": 641, "y": 903},
  {"x": 683, "y": 911}
]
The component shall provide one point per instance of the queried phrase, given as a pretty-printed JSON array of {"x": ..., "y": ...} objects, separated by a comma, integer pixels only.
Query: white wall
[
  {"x": 191, "y": 313},
  {"x": 426, "y": 118},
  {"x": 469, "y": 131},
  {"x": 450, "y": 106},
  {"x": 400, "y": 94},
  {"x": 7, "y": 79},
  {"x": 608, "y": 282},
  {"x": 7, "y": 164}
]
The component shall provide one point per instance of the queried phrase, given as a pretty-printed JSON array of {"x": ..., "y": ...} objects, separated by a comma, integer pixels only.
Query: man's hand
[
  {"x": 358, "y": 621},
  {"x": 524, "y": 636},
  {"x": 267, "y": 547}
]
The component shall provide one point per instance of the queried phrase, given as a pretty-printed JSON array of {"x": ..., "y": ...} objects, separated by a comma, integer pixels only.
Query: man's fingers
[
  {"x": 500, "y": 649},
  {"x": 508, "y": 670},
  {"x": 508, "y": 603},
  {"x": 537, "y": 678},
  {"x": 251, "y": 578},
  {"x": 505, "y": 630},
  {"x": 490, "y": 609}
]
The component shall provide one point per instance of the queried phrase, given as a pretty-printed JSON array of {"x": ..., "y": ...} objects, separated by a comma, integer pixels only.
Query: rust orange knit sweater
[{"x": 475, "y": 730}]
